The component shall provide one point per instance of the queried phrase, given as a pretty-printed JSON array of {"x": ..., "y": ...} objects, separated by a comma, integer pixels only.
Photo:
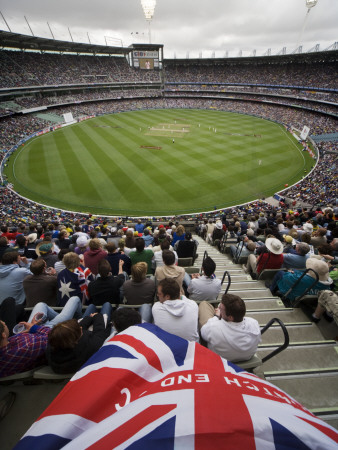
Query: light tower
[
  {"x": 309, "y": 4},
  {"x": 148, "y": 9}
]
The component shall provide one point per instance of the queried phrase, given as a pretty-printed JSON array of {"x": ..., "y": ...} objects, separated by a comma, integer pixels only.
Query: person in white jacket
[
  {"x": 226, "y": 331},
  {"x": 174, "y": 313}
]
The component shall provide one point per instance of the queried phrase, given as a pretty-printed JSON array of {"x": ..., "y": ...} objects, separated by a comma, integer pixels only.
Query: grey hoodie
[{"x": 11, "y": 278}]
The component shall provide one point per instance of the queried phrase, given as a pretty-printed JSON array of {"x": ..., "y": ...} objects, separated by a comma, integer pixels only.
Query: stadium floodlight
[
  {"x": 148, "y": 8},
  {"x": 311, "y": 3}
]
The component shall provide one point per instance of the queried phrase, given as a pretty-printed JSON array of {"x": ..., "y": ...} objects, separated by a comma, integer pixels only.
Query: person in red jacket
[{"x": 94, "y": 255}]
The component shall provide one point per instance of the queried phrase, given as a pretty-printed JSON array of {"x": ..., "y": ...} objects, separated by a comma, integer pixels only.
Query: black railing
[{"x": 286, "y": 338}]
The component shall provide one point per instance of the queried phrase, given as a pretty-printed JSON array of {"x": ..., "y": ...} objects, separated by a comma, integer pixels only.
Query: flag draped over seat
[{"x": 148, "y": 389}]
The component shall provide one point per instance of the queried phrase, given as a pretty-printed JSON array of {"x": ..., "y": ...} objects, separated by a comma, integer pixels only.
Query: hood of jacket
[
  {"x": 7, "y": 269},
  {"x": 176, "y": 307}
]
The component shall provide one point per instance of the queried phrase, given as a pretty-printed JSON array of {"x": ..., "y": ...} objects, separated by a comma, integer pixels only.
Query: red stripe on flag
[
  {"x": 139, "y": 346},
  {"x": 133, "y": 426},
  {"x": 330, "y": 433}
]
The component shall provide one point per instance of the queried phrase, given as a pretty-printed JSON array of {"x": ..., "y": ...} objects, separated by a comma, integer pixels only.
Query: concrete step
[
  {"x": 246, "y": 285},
  {"x": 301, "y": 359},
  {"x": 315, "y": 392},
  {"x": 252, "y": 293},
  {"x": 273, "y": 304},
  {"x": 299, "y": 334},
  {"x": 287, "y": 316}
]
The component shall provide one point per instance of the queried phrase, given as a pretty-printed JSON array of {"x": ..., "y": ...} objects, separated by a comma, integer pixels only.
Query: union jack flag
[{"x": 148, "y": 389}]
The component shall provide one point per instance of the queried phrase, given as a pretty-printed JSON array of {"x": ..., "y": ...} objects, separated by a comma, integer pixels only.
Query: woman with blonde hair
[{"x": 178, "y": 235}]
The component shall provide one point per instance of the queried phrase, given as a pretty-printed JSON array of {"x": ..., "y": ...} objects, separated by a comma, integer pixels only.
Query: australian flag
[
  {"x": 72, "y": 284},
  {"x": 148, "y": 389}
]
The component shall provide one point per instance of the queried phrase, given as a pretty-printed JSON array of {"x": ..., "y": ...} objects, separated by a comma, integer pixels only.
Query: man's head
[
  {"x": 302, "y": 249},
  {"x": 168, "y": 289},
  {"x": 38, "y": 266},
  {"x": 232, "y": 308},
  {"x": 65, "y": 335},
  {"x": 124, "y": 318},
  {"x": 165, "y": 245},
  {"x": 139, "y": 244},
  {"x": 95, "y": 244},
  {"x": 208, "y": 266},
  {"x": 104, "y": 268},
  {"x": 10, "y": 257},
  {"x": 168, "y": 257}
]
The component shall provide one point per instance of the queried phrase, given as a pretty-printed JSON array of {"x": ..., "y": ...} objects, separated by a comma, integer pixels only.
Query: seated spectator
[
  {"x": 187, "y": 248},
  {"x": 21, "y": 245},
  {"x": 139, "y": 289},
  {"x": 327, "y": 307},
  {"x": 158, "y": 260},
  {"x": 178, "y": 234},
  {"x": 129, "y": 242},
  {"x": 243, "y": 249},
  {"x": 4, "y": 245},
  {"x": 170, "y": 270},
  {"x": 147, "y": 237},
  {"x": 13, "y": 270},
  {"x": 31, "y": 246},
  {"x": 94, "y": 255},
  {"x": 218, "y": 232},
  {"x": 73, "y": 280},
  {"x": 60, "y": 265},
  {"x": 141, "y": 255},
  {"x": 81, "y": 244},
  {"x": 297, "y": 260},
  {"x": 26, "y": 350},
  {"x": 45, "y": 249},
  {"x": 114, "y": 257},
  {"x": 139, "y": 227},
  {"x": 207, "y": 286},
  {"x": 272, "y": 259},
  {"x": 319, "y": 237},
  {"x": 42, "y": 285},
  {"x": 124, "y": 318},
  {"x": 227, "y": 331},
  {"x": 283, "y": 281},
  {"x": 106, "y": 288},
  {"x": 11, "y": 313},
  {"x": 174, "y": 313},
  {"x": 210, "y": 226},
  {"x": 63, "y": 240},
  {"x": 71, "y": 344}
]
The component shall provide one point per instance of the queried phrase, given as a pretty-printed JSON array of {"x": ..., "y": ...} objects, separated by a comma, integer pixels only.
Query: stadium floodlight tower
[
  {"x": 148, "y": 9},
  {"x": 309, "y": 4}
]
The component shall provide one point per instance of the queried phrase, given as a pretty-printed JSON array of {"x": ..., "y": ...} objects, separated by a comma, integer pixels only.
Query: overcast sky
[{"x": 182, "y": 26}]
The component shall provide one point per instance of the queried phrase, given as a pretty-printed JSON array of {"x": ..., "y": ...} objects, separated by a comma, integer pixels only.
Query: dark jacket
[
  {"x": 105, "y": 290},
  {"x": 70, "y": 360}
]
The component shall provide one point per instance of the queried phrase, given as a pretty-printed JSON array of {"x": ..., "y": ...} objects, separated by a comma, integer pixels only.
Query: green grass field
[{"x": 128, "y": 164}]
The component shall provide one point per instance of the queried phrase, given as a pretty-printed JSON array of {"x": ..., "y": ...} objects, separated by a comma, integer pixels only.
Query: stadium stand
[{"x": 291, "y": 90}]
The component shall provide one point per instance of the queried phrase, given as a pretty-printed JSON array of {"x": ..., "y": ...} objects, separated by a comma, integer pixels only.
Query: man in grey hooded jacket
[
  {"x": 174, "y": 313},
  {"x": 12, "y": 273}
]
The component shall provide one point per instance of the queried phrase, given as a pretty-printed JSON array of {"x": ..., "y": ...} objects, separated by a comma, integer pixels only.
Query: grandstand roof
[{"x": 25, "y": 42}]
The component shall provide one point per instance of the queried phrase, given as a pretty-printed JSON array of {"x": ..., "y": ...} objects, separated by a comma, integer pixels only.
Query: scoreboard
[{"x": 146, "y": 56}]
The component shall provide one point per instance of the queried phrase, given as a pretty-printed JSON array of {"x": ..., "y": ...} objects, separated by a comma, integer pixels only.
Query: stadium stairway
[{"x": 308, "y": 369}]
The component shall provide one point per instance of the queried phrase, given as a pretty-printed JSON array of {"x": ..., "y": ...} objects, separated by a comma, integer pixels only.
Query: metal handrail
[
  {"x": 226, "y": 273},
  {"x": 238, "y": 252},
  {"x": 297, "y": 300},
  {"x": 286, "y": 338},
  {"x": 223, "y": 242}
]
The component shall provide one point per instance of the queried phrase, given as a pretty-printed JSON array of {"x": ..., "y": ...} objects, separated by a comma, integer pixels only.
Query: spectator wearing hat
[
  {"x": 13, "y": 270},
  {"x": 297, "y": 260},
  {"x": 81, "y": 245},
  {"x": 41, "y": 285},
  {"x": 31, "y": 246},
  {"x": 283, "y": 281},
  {"x": 94, "y": 255},
  {"x": 272, "y": 259},
  {"x": 218, "y": 232},
  {"x": 45, "y": 251},
  {"x": 289, "y": 244}
]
